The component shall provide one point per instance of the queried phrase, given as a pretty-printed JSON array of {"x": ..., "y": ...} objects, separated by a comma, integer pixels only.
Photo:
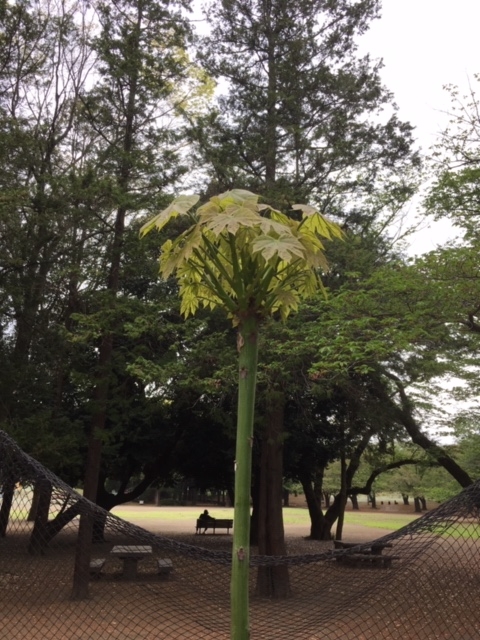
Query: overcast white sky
[{"x": 426, "y": 44}]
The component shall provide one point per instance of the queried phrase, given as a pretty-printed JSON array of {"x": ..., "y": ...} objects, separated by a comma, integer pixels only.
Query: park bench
[
  {"x": 214, "y": 523},
  {"x": 96, "y": 566},
  {"x": 165, "y": 567}
]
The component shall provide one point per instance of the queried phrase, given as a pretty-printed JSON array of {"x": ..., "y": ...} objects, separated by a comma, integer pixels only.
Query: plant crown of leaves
[{"x": 242, "y": 255}]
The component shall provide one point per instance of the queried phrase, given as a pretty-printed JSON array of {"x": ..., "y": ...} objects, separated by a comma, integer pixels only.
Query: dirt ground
[{"x": 426, "y": 595}]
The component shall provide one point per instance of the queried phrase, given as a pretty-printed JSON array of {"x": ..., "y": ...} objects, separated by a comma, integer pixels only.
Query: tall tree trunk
[
  {"x": 38, "y": 538},
  {"x": 272, "y": 581},
  {"x": 272, "y": 100},
  {"x": 8, "y": 488},
  {"x": 32, "y": 514},
  {"x": 92, "y": 473},
  {"x": 354, "y": 499},
  {"x": 318, "y": 527},
  {"x": 342, "y": 499}
]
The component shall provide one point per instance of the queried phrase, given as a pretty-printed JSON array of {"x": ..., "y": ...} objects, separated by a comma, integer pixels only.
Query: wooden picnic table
[
  {"x": 131, "y": 554},
  {"x": 370, "y": 554},
  {"x": 375, "y": 548}
]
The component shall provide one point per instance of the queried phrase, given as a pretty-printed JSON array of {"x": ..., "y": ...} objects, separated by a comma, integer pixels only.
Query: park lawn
[
  {"x": 291, "y": 516},
  {"x": 389, "y": 521},
  {"x": 466, "y": 531},
  {"x": 161, "y": 513}
]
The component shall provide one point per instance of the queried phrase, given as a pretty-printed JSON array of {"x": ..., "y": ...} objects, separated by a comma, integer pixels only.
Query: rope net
[{"x": 419, "y": 582}]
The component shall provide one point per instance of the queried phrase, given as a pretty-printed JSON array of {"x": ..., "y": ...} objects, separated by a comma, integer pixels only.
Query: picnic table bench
[
  {"x": 96, "y": 566},
  {"x": 374, "y": 548},
  {"x": 214, "y": 523},
  {"x": 369, "y": 555},
  {"x": 131, "y": 554},
  {"x": 164, "y": 566}
]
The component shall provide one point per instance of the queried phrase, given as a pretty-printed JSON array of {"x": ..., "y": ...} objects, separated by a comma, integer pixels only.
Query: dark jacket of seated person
[{"x": 205, "y": 519}]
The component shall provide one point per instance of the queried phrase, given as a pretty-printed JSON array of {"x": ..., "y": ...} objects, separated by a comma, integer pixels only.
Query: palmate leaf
[
  {"x": 235, "y": 197},
  {"x": 180, "y": 206},
  {"x": 286, "y": 247},
  {"x": 174, "y": 254},
  {"x": 230, "y": 220},
  {"x": 287, "y": 298},
  {"x": 314, "y": 222},
  {"x": 238, "y": 196},
  {"x": 233, "y": 255}
]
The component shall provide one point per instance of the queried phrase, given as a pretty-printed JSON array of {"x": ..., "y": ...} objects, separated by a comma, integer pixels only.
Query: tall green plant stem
[{"x": 248, "y": 355}]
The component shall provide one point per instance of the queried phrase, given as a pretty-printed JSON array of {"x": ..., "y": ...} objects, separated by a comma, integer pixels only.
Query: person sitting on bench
[{"x": 205, "y": 519}]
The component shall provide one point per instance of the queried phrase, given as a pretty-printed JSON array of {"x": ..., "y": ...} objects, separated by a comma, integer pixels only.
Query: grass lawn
[{"x": 291, "y": 516}]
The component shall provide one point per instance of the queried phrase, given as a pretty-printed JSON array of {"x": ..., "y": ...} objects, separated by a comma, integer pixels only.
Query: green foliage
[
  {"x": 243, "y": 256},
  {"x": 298, "y": 123}
]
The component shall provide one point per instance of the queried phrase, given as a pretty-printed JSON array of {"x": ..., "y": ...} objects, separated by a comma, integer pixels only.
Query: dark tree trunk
[
  {"x": 326, "y": 498},
  {"x": 272, "y": 581},
  {"x": 92, "y": 473},
  {"x": 34, "y": 506},
  {"x": 373, "y": 500},
  {"x": 423, "y": 501},
  {"x": 406, "y": 501},
  {"x": 405, "y": 415},
  {"x": 342, "y": 498},
  {"x": 38, "y": 539},
  {"x": 319, "y": 529},
  {"x": 8, "y": 488},
  {"x": 418, "y": 505},
  {"x": 286, "y": 498},
  {"x": 354, "y": 500},
  {"x": 99, "y": 522}
]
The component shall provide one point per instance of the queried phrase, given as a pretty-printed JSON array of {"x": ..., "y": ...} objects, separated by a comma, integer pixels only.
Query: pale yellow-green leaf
[
  {"x": 174, "y": 254},
  {"x": 239, "y": 252},
  {"x": 239, "y": 196},
  {"x": 278, "y": 216},
  {"x": 230, "y": 220},
  {"x": 267, "y": 225},
  {"x": 210, "y": 207},
  {"x": 180, "y": 206},
  {"x": 285, "y": 301},
  {"x": 285, "y": 247},
  {"x": 286, "y": 297},
  {"x": 314, "y": 222}
]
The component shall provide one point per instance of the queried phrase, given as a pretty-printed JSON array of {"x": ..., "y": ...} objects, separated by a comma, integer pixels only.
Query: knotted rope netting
[{"x": 422, "y": 581}]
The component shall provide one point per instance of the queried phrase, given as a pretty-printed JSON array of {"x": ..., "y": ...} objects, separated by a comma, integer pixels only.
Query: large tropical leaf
[
  {"x": 233, "y": 255},
  {"x": 285, "y": 247},
  {"x": 180, "y": 206},
  {"x": 314, "y": 222},
  {"x": 230, "y": 220}
]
